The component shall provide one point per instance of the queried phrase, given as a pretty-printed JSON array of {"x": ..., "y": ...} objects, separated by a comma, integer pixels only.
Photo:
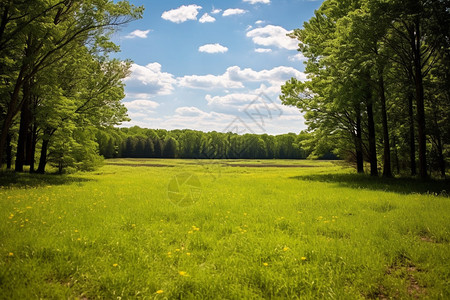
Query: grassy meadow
[{"x": 223, "y": 229}]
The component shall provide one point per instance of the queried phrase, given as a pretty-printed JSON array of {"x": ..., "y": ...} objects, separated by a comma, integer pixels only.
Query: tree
[{"x": 35, "y": 35}]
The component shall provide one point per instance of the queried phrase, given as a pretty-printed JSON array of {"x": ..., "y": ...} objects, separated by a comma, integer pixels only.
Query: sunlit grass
[{"x": 306, "y": 232}]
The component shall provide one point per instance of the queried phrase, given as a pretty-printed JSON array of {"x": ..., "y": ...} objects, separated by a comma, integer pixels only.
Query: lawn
[{"x": 233, "y": 229}]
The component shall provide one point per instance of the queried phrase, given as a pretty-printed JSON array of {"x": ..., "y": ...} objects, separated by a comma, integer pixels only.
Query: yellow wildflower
[
  {"x": 10, "y": 254},
  {"x": 183, "y": 273},
  {"x": 159, "y": 291},
  {"x": 265, "y": 264},
  {"x": 303, "y": 258},
  {"x": 285, "y": 248},
  {"x": 115, "y": 265}
]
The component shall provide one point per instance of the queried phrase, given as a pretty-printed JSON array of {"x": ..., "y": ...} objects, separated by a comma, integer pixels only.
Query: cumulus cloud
[
  {"x": 235, "y": 77},
  {"x": 207, "y": 19},
  {"x": 277, "y": 74},
  {"x": 190, "y": 111},
  {"x": 141, "y": 104},
  {"x": 195, "y": 118},
  {"x": 233, "y": 11},
  {"x": 216, "y": 11},
  {"x": 263, "y": 50},
  {"x": 182, "y": 13},
  {"x": 138, "y": 34},
  {"x": 141, "y": 108},
  {"x": 257, "y": 1},
  {"x": 230, "y": 100},
  {"x": 298, "y": 57},
  {"x": 259, "y": 22},
  {"x": 149, "y": 79},
  {"x": 271, "y": 35},
  {"x": 213, "y": 48},
  {"x": 208, "y": 82},
  {"x": 256, "y": 109}
]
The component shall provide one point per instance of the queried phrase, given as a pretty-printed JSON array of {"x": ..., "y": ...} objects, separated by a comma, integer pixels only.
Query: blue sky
[{"x": 213, "y": 65}]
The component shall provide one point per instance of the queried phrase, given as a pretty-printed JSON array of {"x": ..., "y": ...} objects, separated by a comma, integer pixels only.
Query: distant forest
[{"x": 136, "y": 142}]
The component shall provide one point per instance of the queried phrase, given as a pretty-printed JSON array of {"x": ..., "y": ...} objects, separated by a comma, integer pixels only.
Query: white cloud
[
  {"x": 197, "y": 119},
  {"x": 298, "y": 57},
  {"x": 226, "y": 109},
  {"x": 271, "y": 35},
  {"x": 263, "y": 50},
  {"x": 233, "y": 11},
  {"x": 259, "y": 22},
  {"x": 189, "y": 111},
  {"x": 140, "y": 108},
  {"x": 150, "y": 80},
  {"x": 208, "y": 82},
  {"x": 213, "y": 48},
  {"x": 141, "y": 104},
  {"x": 257, "y": 1},
  {"x": 138, "y": 34},
  {"x": 277, "y": 74},
  {"x": 207, "y": 19},
  {"x": 235, "y": 77},
  {"x": 230, "y": 100},
  {"x": 216, "y": 11},
  {"x": 182, "y": 13}
]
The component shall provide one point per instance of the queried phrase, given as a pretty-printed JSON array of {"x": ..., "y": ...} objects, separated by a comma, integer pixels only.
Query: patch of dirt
[
  {"x": 138, "y": 165},
  {"x": 427, "y": 239},
  {"x": 408, "y": 271}
]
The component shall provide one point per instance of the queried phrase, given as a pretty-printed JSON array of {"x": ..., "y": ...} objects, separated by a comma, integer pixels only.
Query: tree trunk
[
  {"x": 33, "y": 148},
  {"x": 359, "y": 148},
  {"x": 14, "y": 106},
  {"x": 372, "y": 141},
  {"x": 24, "y": 128},
  {"x": 387, "y": 171},
  {"x": 397, "y": 160},
  {"x": 416, "y": 45},
  {"x": 412, "y": 140},
  {"x": 43, "y": 158},
  {"x": 8, "y": 152}
]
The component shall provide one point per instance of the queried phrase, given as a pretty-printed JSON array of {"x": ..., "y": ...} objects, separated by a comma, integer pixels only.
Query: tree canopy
[
  {"x": 58, "y": 83},
  {"x": 378, "y": 78}
]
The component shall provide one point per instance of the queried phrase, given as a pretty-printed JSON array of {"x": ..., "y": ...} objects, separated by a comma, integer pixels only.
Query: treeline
[
  {"x": 138, "y": 142},
  {"x": 58, "y": 85},
  {"x": 379, "y": 88}
]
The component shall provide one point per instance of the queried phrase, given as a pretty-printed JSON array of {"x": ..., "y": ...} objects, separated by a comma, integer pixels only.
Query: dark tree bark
[
  {"x": 372, "y": 141},
  {"x": 397, "y": 160},
  {"x": 412, "y": 140},
  {"x": 25, "y": 117},
  {"x": 418, "y": 80},
  {"x": 33, "y": 148},
  {"x": 8, "y": 152},
  {"x": 387, "y": 171},
  {"x": 43, "y": 158},
  {"x": 358, "y": 144}
]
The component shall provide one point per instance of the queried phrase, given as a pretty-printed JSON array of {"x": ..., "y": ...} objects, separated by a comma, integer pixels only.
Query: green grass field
[{"x": 236, "y": 229}]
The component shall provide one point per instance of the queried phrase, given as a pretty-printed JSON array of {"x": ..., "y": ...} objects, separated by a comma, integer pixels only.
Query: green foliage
[
  {"x": 139, "y": 142},
  {"x": 57, "y": 73},
  {"x": 365, "y": 61}
]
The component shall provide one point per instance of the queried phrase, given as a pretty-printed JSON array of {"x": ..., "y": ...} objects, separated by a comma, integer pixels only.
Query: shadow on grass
[
  {"x": 396, "y": 185},
  {"x": 27, "y": 180}
]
